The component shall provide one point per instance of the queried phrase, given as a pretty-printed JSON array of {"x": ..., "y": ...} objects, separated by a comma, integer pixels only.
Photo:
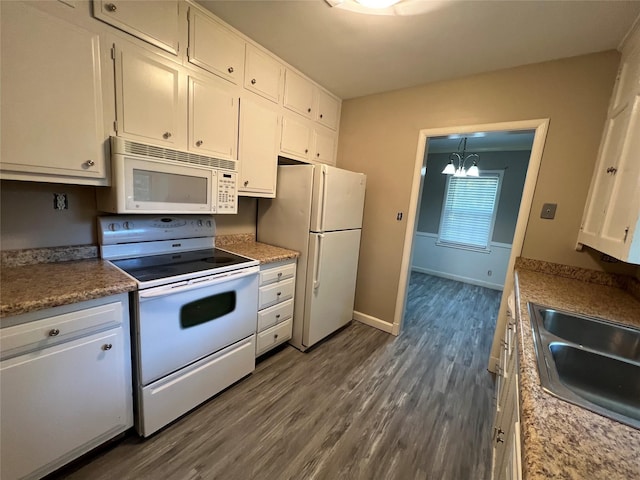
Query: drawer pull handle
[
  {"x": 107, "y": 346},
  {"x": 230, "y": 69},
  {"x": 253, "y": 81},
  {"x": 166, "y": 135},
  {"x": 111, "y": 7},
  {"x": 279, "y": 274},
  {"x": 54, "y": 332},
  {"x": 199, "y": 143}
]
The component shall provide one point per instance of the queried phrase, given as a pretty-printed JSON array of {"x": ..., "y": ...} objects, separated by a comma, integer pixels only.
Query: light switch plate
[{"x": 549, "y": 211}]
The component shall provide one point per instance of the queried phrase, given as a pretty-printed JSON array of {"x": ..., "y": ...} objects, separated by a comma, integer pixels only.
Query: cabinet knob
[
  {"x": 277, "y": 316},
  {"x": 279, "y": 274},
  {"x": 54, "y": 332},
  {"x": 309, "y": 109},
  {"x": 199, "y": 143},
  {"x": 499, "y": 439},
  {"x": 612, "y": 170},
  {"x": 279, "y": 293},
  {"x": 318, "y": 154},
  {"x": 107, "y": 346},
  {"x": 253, "y": 81},
  {"x": 246, "y": 182},
  {"x": 230, "y": 69},
  {"x": 306, "y": 150},
  {"x": 89, "y": 163},
  {"x": 166, "y": 135},
  {"x": 275, "y": 336},
  {"x": 110, "y": 7},
  {"x": 321, "y": 115}
]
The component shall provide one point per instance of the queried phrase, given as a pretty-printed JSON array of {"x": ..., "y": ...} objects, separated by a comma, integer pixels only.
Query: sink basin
[
  {"x": 600, "y": 335},
  {"x": 591, "y": 362}
]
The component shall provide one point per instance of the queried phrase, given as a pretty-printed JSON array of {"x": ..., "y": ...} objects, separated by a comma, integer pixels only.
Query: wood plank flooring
[{"x": 361, "y": 405}]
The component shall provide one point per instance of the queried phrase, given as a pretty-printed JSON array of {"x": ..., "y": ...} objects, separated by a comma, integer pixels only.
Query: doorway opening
[{"x": 539, "y": 128}]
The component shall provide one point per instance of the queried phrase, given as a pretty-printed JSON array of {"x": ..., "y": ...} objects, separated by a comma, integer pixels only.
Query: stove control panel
[{"x": 122, "y": 229}]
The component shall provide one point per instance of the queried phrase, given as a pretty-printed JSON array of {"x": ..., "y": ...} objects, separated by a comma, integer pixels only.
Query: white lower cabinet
[
  {"x": 506, "y": 464},
  {"x": 275, "y": 304},
  {"x": 65, "y": 384}
]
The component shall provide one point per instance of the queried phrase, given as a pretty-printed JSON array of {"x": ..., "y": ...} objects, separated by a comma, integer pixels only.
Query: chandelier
[{"x": 459, "y": 170}]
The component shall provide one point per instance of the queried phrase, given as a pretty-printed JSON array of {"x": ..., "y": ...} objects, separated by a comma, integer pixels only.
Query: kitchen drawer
[
  {"x": 274, "y": 336},
  {"x": 275, "y": 293},
  {"x": 275, "y": 314},
  {"x": 53, "y": 330},
  {"x": 277, "y": 274}
]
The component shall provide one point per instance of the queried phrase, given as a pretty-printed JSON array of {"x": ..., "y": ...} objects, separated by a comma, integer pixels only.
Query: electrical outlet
[{"x": 60, "y": 201}]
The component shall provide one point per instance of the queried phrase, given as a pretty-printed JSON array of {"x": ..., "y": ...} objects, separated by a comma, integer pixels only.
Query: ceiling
[
  {"x": 509, "y": 140},
  {"x": 354, "y": 54}
]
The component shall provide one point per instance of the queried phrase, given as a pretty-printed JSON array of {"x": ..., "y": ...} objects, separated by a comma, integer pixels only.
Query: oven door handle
[{"x": 196, "y": 283}]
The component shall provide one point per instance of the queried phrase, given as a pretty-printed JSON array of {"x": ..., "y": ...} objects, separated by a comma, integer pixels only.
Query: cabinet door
[
  {"x": 150, "y": 102},
  {"x": 153, "y": 22},
  {"x": 52, "y": 115},
  {"x": 295, "y": 138},
  {"x": 328, "y": 111},
  {"x": 213, "y": 119},
  {"x": 262, "y": 74},
  {"x": 257, "y": 154},
  {"x": 324, "y": 147},
  {"x": 58, "y": 399},
  {"x": 215, "y": 48},
  {"x": 298, "y": 94}
]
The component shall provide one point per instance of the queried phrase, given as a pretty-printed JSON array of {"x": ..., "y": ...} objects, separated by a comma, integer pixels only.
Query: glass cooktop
[{"x": 156, "y": 267}]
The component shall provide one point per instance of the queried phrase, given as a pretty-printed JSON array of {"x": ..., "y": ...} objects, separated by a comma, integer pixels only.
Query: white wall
[{"x": 463, "y": 265}]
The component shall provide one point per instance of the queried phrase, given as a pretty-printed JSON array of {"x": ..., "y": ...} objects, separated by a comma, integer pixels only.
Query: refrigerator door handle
[
  {"x": 324, "y": 199},
  {"x": 316, "y": 266}
]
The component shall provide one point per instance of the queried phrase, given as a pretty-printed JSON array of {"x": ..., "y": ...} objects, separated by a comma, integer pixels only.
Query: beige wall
[
  {"x": 28, "y": 219},
  {"x": 379, "y": 133}
]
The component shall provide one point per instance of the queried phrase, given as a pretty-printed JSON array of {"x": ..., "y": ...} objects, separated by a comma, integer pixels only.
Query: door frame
[{"x": 540, "y": 126}]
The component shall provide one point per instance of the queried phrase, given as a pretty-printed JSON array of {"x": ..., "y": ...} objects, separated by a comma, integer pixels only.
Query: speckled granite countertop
[
  {"x": 27, "y": 288},
  {"x": 262, "y": 252},
  {"x": 561, "y": 440}
]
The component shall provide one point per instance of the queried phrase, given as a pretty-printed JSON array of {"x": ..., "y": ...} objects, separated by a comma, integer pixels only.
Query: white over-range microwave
[{"x": 152, "y": 179}]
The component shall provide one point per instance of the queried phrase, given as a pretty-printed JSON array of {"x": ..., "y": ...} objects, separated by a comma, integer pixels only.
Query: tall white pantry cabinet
[
  {"x": 611, "y": 220},
  {"x": 165, "y": 73}
]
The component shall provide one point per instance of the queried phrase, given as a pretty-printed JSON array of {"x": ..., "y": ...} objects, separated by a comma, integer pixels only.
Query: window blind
[{"x": 468, "y": 211}]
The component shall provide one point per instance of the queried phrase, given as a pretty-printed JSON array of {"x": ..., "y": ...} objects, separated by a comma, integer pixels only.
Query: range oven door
[{"x": 180, "y": 323}]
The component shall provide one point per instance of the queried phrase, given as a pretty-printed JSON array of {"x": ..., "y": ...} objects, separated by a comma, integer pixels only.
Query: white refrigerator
[{"x": 318, "y": 212}]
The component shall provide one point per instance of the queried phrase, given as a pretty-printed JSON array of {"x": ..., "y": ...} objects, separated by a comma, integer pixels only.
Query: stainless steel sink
[{"x": 591, "y": 362}]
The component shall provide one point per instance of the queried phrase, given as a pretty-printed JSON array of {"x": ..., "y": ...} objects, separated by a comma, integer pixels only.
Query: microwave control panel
[{"x": 227, "y": 197}]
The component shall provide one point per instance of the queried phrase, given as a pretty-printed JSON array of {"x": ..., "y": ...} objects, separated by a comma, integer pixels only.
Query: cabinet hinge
[
  {"x": 115, "y": 126},
  {"x": 626, "y": 233},
  {"x": 113, "y": 52},
  {"x": 178, "y": 48}
]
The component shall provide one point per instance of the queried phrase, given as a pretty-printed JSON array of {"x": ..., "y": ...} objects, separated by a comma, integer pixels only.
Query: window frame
[{"x": 466, "y": 246}]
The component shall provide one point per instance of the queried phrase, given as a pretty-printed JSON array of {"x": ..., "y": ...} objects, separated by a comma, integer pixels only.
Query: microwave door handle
[
  {"x": 196, "y": 283},
  {"x": 316, "y": 277}
]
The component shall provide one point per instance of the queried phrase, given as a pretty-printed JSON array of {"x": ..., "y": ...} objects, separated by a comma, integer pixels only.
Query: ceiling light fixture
[{"x": 460, "y": 171}]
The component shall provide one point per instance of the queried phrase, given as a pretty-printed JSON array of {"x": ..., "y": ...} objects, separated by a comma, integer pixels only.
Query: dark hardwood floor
[{"x": 361, "y": 405}]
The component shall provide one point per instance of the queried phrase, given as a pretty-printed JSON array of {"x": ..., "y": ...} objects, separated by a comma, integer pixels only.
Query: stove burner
[{"x": 219, "y": 260}]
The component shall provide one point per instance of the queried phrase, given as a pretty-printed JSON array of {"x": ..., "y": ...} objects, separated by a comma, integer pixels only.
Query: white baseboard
[
  {"x": 373, "y": 322},
  {"x": 459, "y": 278}
]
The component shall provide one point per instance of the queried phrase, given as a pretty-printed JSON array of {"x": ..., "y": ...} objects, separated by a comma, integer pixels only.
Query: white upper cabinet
[
  {"x": 612, "y": 214},
  {"x": 295, "y": 138},
  {"x": 51, "y": 99},
  {"x": 150, "y": 98},
  {"x": 324, "y": 146},
  {"x": 213, "y": 119},
  {"x": 262, "y": 74},
  {"x": 215, "y": 48},
  {"x": 155, "y": 22},
  {"x": 328, "y": 110},
  {"x": 298, "y": 94},
  {"x": 257, "y": 155}
]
